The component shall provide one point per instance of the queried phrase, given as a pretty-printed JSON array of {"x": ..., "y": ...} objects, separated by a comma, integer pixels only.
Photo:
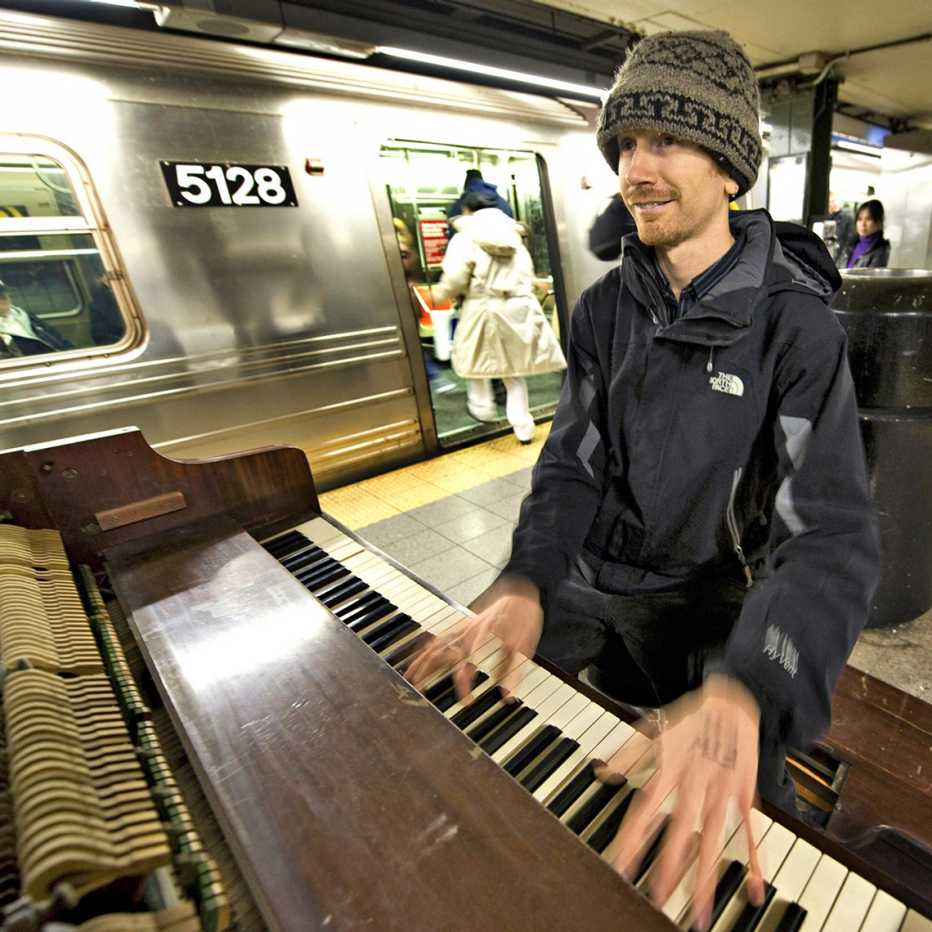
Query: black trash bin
[{"x": 887, "y": 314}]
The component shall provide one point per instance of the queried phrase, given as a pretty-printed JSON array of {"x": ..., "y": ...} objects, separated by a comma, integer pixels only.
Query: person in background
[
  {"x": 474, "y": 183},
  {"x": 844, "y": 224},
  {"x": 868, "y": 249},
  {"x": 107, "y": 324},
  {"x": 608, "y": 229},
  {"x": 409, "y": 261},
  {"x": 24, "y": 334},
  {"x": 502, "y": 331}
]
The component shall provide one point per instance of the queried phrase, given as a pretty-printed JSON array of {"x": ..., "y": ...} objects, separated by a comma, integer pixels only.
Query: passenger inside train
[{"x": 24, "y": 334}]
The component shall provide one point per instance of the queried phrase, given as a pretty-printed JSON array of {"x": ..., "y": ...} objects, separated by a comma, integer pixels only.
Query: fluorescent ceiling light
[
  {"x": 861, "y": 148},
  {"x": 132, "y": 3},
  {"x": 474, "y": 68}
]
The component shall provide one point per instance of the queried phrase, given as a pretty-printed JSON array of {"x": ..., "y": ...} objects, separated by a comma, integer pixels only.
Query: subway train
[{"x": 213, "y": 232}]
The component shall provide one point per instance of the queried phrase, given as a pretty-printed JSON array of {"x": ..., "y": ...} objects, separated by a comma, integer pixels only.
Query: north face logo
[{"x": 727, "y": 383}]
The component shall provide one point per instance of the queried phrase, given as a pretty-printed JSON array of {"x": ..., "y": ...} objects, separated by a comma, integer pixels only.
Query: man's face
[
  {"x": 674, "y": 189},
  {"x": 833, "y": 205}
]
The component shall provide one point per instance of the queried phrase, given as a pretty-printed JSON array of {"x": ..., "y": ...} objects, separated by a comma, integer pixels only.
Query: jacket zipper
[{"x": 732, "y": 523}]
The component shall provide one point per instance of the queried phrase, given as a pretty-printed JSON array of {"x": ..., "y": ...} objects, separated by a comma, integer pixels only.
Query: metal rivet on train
[
  {"x": 69, "y": 473},
  {"x": 314, "y": 166}
]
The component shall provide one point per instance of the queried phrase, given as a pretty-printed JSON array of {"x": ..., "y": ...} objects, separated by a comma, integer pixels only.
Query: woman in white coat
[{"x": 502, "y": 332}]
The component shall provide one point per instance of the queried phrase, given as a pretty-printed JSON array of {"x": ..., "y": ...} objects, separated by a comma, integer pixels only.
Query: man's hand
[
  {"x": 706, "y": 753},
  {"x": 514, "y": 617}
]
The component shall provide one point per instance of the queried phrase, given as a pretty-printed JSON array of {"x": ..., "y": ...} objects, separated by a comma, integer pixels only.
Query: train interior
[{"x": 423, "y": 182}]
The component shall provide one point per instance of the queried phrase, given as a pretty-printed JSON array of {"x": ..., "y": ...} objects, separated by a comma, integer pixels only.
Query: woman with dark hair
[{"x": 869, "y": 249}]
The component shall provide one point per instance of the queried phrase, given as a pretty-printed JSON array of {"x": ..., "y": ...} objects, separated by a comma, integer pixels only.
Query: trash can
[{"x": 887, "y": 314}]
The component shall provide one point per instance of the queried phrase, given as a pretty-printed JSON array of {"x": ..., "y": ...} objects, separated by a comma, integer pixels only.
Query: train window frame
[{"x": 89, "y": 220}]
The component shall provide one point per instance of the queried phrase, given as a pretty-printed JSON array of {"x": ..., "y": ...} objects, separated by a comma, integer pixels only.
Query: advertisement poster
[{"x": 434, "y": 238}]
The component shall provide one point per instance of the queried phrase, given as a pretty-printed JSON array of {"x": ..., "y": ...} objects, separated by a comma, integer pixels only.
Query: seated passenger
[
  {"x": 24, "y": 334},
  {"x": 107, "y": 325},
  {"x": 869, "y": 249},
  {"x": 609, "y": 228}
]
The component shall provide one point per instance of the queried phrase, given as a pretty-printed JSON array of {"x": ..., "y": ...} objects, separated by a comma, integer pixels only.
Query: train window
[
  {"x": 425, "y": 182},
  {"x": 57, "y": 292}
]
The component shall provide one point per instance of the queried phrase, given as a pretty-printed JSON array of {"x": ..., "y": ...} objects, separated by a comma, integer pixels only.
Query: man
[
  {"x": 699, "y": 531},
  {"x": 24, "y": 334}
]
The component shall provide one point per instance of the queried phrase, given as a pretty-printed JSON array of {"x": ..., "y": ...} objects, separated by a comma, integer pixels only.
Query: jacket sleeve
[
  {"x": 566, "y": 485},
  {"x": 456, "y": 269},
  {"x": 799, "y": 625}
]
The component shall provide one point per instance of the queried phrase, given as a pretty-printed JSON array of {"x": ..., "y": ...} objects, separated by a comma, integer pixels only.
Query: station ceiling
[{"x": 895, "y": 81}]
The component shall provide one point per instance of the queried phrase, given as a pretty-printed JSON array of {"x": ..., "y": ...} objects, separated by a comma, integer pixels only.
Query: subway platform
[{"x": 450, "y": 521}]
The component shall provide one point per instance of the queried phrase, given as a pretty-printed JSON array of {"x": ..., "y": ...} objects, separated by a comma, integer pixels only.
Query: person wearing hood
[
  {"x": 502, "y": 332},
  {"x": 868, "y": 249},
  {"x": 474, "y": 183},
  {"x": 699, "y": 534}
]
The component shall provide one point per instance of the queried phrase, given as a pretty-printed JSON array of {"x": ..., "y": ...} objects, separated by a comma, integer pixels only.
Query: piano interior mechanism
[{"x": 203, "y": 726}]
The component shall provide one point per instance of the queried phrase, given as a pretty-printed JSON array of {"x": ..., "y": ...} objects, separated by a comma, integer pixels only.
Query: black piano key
[
  {"x": 316, "y": 577},
  {"x": 403, "y": 654},
  {"x": 544, "y": 768},
  {"x": 285, "y": 542},
  {"x": 531, "y": 750},
  {"x": 386, "y": 627},
  {"x": 728, "y": 885},
  {"x": 573, "y": 790},
  {"x": 593, "y": 806},
  {"x": 439, "y": 688},
  {"x": 352, "y": 586},
  {"x": 386, "y": 640},
  {"x": 368, "y": 600},
  {"x": 491, "y": 743},
  {"x": 303, "y": 558},
  {"x": 751, "y": 915},
  {"x": 476, "y": 709},
  {"x": 493, "y": 721},
  {"x": 371, "y": 613},
  {"x": 647, "y": 862},
  {"x": 792, "y": 919},
  {"x": 318, "y": 582},
  {"x": 602, "y": 837},
  {"x": 446, "y": 700}
]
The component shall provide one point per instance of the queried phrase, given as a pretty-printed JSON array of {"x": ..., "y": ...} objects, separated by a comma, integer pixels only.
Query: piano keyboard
[{"x": 549, "y": 738}]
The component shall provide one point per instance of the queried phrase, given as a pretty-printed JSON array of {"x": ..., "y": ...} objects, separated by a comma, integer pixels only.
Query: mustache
[{"x": 648, "y": 196}]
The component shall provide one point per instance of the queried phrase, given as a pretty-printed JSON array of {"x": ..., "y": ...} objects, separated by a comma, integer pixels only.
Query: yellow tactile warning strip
[{"x": 395, "y": 492}]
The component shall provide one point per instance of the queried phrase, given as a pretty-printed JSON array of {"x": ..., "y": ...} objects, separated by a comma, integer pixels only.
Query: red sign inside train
[{"x": 434, "y": 238}]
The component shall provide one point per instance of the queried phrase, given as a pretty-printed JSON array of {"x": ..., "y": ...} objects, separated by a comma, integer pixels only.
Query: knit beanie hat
[{"x": 698, "y": 86}]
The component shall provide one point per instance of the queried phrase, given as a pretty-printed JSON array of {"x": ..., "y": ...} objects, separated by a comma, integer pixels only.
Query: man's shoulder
[{"x": 798, "y": 315}]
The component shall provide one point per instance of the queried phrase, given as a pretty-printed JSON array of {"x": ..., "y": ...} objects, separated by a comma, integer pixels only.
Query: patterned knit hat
[{"x": 698, "y": 86}]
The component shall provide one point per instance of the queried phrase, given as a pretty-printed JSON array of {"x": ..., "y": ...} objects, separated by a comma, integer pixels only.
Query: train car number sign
[{"x": 204, "y": 184}]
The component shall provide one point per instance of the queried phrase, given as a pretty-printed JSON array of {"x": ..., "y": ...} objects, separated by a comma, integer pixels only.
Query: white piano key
[
  {"x": 772, "y": 850},
  {"x": 600, "y": 729},
  {"x": 851, "y": 906},
  {"x": 790, "y": 881},
  {"x": 319, "y": 531},
  {"x": 554, "y": 701},
  {"x": 680, "y": 899},
  {"x": 914, "y": 922},
  {"x": 736, "y": 849},
  {"x": 589, "y": 714},
  {"x": 886, "y": 914},
  {"x": 821, "y": 892}
]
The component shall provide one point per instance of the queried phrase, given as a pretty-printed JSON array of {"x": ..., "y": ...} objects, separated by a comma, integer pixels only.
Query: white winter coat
[{"x": 502, "y": 330}]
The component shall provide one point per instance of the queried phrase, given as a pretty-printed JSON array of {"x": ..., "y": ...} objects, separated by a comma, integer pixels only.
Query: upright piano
[{"x": 203, "y": 725}]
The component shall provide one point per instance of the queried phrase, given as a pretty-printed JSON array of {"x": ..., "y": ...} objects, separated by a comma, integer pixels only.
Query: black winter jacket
[{"x": 723, "y": 444}]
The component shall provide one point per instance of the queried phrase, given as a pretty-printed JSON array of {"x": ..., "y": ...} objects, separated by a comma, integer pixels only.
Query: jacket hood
[
  {"x": 492, "y": 230},
  {"x": 773, "y": 257},
  {"x": 481, "y": 186}
]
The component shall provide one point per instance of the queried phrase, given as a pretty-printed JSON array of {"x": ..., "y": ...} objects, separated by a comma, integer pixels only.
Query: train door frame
[
  {"x": 407, "y": 321},
  {"x": 553, "y": 250}
]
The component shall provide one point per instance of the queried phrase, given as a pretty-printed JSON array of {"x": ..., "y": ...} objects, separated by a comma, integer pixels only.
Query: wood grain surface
[{"x": 349, "y": 801}]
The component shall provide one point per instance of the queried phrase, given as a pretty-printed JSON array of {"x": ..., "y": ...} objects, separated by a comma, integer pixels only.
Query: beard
[{"x": 666, "y": 227}]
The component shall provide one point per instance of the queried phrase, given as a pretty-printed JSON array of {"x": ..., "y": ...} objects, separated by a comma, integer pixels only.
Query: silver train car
[{"x": 212, "y": 230}]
